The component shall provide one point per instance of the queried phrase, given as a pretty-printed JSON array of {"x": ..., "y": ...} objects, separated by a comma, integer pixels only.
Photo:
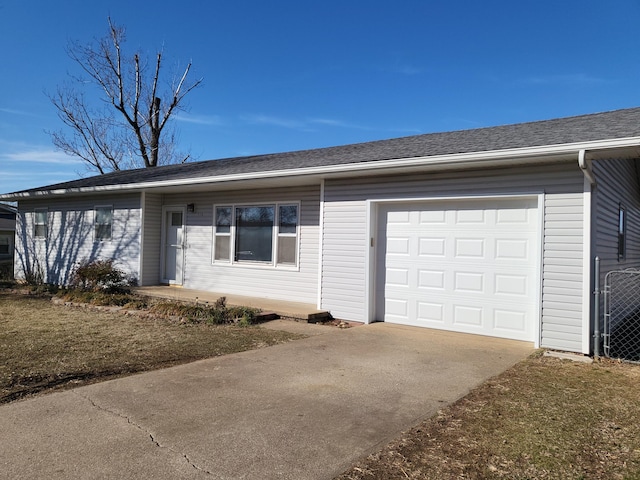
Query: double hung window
[
  {"x": 260, "y": 234},
  {"x": 40, "y": 223},
  {"x": 103, "y": 223}
]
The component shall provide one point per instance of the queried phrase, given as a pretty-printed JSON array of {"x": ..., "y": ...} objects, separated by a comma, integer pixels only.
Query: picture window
[{"x": 260, "y": 234}]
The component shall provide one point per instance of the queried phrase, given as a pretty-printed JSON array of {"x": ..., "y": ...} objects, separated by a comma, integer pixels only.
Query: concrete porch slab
[{"x": 298, "y": 310}]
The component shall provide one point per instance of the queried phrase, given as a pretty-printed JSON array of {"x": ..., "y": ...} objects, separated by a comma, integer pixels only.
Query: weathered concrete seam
[{"x": 144, "y": 430}]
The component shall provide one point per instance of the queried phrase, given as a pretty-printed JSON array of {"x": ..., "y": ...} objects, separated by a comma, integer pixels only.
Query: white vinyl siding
[
  {"x": 295, "y": 283},
  {"x": 562, "y": 285},
  {"x": 70, "y": 237},
  {"x": 343, "y": 288},
  {"x": 151, "y": 235}
]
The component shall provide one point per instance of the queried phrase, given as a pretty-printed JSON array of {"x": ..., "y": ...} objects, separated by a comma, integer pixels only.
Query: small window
[
  {"x": 103, "y": 223},
  {"x": 5, "y": 244},
  {"x": 622, "y": 231},
  {"x": 176, "y": 219},
  {"x": 40, "y": 223},
  {"x": 287, "y": 234},
  {"x": 223, "y": 234}
]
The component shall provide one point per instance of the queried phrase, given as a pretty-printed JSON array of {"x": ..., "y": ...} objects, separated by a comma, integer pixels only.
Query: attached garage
[{"x": 468, "y": 266}]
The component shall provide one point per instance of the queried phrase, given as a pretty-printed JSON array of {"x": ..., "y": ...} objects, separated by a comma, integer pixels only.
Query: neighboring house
[
  {"x": 7, "y": 235},
  {"x": 490, "y": 231}
]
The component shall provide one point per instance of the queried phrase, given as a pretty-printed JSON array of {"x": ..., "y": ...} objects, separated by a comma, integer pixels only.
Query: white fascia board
[{"x": 458, "y": 160}]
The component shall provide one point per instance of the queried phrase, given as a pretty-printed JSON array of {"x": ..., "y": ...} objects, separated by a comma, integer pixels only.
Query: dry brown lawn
[
  {"x": 45, "y": 346},
  {"x": 545, "y": 418},
  {"x": 542, "y": 419}
]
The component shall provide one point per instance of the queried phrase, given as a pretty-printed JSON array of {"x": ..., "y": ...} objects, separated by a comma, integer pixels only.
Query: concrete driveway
[{"x": 303, "y": 410}]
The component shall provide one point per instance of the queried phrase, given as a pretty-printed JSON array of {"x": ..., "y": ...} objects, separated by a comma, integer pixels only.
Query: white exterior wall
[
  {"x": 70, "y": 237},
  {"x": 151, "y": 238},
  {"x": 294, "y": 284},
  {"x": 345, "y": 248}
]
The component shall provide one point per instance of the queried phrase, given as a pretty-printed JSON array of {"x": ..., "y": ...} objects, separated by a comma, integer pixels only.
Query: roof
[{"x": 617, "y": 124}]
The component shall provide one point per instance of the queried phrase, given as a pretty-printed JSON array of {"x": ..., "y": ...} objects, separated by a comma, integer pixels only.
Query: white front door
[
  {"x": 173, "y": 241},
  {"x": 465, "y": 266}
]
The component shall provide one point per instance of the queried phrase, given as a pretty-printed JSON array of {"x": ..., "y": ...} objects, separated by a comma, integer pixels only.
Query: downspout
[{"x": 585, "y": 166}]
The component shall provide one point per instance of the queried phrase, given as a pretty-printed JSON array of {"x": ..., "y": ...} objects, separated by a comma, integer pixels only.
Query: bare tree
[{"x": 132, "y": 128}]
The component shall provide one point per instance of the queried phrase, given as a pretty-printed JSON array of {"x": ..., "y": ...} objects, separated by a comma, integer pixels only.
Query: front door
[{"x": 173, "y": 244}]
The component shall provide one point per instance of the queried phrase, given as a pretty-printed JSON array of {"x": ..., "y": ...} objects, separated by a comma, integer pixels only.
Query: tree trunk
[{"x": 155, "y": 133}]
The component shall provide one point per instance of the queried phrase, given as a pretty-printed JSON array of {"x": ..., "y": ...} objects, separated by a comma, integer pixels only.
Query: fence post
[{"x": 596, "y": 310}]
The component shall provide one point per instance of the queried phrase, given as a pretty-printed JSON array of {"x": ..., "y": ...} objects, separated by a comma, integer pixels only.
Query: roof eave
[{"x": 540, "y": 154}]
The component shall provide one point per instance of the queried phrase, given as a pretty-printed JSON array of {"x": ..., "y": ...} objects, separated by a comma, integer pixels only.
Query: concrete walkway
[{"x": 302, "y": 410}]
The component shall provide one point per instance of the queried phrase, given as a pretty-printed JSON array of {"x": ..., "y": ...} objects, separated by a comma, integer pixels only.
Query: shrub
[
  {"x": 216, "y": 314},
  {"x": 102, "y": 298},
  {"x": 99, "y": 276}
]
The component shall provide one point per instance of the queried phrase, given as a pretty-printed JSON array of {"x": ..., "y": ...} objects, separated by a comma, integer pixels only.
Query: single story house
[
  {"x": 7, "y": 236},
  {"x": 490, "y": 231}
]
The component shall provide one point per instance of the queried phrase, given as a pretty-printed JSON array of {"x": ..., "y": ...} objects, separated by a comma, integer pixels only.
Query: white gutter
[
  {"x": 585, "y": 166},
  {"x": 489, "y": 158}
]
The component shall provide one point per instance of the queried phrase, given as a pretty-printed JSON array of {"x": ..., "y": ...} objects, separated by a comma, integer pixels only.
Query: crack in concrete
[{"x": 142, "y": 429}]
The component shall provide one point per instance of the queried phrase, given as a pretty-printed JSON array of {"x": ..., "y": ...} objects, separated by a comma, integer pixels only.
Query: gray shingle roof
[{"x": 584, "y": 128}]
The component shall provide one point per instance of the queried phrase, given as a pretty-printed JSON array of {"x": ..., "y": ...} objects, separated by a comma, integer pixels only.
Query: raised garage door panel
[{"x": 466, "y": 266}]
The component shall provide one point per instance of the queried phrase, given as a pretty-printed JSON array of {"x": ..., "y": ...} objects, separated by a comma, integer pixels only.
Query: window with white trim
[
  {"x": 223, "y": 233},
  {"x": 259, "y": 234},
  {"x": 103, "y": 223},
  {"x": 40, "y": 223}
]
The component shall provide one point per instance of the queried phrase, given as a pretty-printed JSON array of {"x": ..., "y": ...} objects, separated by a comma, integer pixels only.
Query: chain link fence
[{"x": 621, "y": 333}]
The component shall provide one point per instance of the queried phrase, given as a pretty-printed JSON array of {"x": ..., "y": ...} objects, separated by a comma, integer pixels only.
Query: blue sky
[{"x": 284, "y": 75}]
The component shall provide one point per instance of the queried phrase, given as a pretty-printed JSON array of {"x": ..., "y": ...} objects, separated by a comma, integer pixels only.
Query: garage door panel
[
  {"x": 512, "y": 249},
  {"x": 469, "y": 282},
  {"x": 398, "y": 246},
  {"x": 462, "y": 266},
  {"x": 466, "y": 316},
  {"x": 511, "y": 285},
  {"x": 431, "y": 279},
  {"x": 462, "y": 217},
  {"x": 469, "y": 248},
  {"x": 510, "y": 321},
  {"x": 431, "y": 247},
  {"x": 432, "y": 217},
  {"x": 430, "y": 312},
  {"x": 398, "y": 277}
]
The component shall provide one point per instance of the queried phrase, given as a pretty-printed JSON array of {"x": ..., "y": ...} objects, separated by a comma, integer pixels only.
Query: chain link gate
[{"x": 621, "y": 333}]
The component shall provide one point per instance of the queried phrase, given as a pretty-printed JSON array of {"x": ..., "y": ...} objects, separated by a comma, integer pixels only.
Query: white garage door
[{"x": 467, "y": 266}]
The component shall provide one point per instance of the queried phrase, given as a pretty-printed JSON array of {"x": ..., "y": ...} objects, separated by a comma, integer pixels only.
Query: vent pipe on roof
[{"x": 585, "y": 166}]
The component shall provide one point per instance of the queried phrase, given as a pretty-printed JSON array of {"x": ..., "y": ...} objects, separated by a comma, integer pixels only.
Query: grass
[
  {"x": 45, "y": 346},
  {"x": 544, "y": 418}
]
